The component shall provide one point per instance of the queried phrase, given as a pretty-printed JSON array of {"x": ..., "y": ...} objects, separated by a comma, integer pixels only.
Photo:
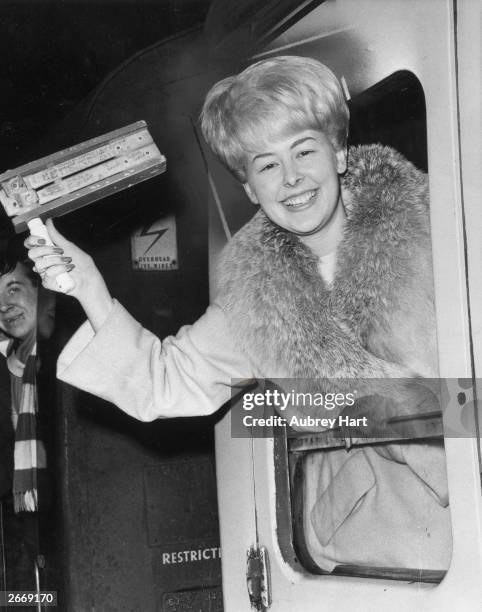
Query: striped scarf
[{"x": 30, "y": 459}]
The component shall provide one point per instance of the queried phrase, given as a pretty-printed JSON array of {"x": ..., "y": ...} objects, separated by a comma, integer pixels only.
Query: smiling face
[
  {"x": 295, "y": 180},
  {"x": 18, "y": 303}
]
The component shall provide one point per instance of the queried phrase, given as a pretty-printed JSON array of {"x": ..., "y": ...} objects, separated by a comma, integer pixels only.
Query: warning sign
[{"x": 154, "y": 246}]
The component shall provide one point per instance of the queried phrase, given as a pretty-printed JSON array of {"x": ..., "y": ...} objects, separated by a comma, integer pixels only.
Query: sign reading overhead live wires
[{"x": 154, "y": 246}]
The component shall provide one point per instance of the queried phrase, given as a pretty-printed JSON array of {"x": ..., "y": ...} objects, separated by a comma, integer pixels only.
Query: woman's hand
[
  {"x": 89, "y": 286},
  {"x": 50, "y": 261}
]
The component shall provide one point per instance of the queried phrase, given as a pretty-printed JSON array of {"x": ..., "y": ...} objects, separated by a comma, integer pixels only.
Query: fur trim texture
[{"x": 377, "y": 320}]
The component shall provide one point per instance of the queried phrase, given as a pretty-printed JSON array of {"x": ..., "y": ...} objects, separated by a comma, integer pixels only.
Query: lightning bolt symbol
[{"x": 158, "y": 233}]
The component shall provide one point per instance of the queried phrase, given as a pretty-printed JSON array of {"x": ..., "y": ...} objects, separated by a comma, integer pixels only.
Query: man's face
[
  {"x": 295, "y": 181},
  {"x": 18, "y": 303}
]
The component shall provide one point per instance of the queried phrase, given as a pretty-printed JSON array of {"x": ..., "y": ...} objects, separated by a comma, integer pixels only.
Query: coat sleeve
[{"x": 186, "y": 375}]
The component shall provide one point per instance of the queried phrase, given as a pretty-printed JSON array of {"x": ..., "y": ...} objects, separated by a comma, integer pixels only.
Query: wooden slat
[
  {"x": 91, "y": 158},
  {"x": 98, "y": 173},
  {"x": 86, "y": 196},
  {"x": 80, "y": 175},
  {"x": 70, "y": 152}
]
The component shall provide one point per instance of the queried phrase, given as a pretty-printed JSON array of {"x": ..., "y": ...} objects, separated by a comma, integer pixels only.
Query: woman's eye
[
  {"x": 12, "y": 290},
  {"x": 305, "y": 153},
  {"x": 268, "y": 167}
]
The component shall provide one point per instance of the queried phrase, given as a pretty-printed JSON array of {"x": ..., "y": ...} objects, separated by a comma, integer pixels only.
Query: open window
[{"x": 329, "y": 487}]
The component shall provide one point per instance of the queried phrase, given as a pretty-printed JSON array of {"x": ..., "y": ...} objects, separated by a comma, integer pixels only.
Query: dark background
[
  {"x": 55, "y": 52},
  {"x": 107, "y": 469}
]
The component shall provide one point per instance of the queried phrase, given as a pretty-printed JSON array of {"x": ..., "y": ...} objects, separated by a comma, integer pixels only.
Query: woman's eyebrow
[
  {"x": 292, "y": 146},
  {"x": 262, "y": 155},
  {"x": 301, "y": 141}
]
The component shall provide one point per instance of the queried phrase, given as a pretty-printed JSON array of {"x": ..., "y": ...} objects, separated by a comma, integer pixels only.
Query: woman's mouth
[{"x": 300, "y": 201}]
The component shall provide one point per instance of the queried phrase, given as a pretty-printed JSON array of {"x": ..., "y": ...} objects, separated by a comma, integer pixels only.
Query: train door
[{"x": 379, "y": 47}]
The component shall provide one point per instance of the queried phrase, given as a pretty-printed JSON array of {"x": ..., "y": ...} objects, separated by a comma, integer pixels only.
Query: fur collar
[{"x": 279, "y": 309}]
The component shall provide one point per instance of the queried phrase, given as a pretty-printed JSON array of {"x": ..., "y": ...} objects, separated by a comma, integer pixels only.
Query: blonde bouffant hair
[{"x": 286, "y": 93}]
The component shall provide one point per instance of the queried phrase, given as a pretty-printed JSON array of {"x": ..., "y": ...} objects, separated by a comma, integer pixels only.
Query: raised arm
[
  {"x": 184, "y": 375},
  {"x": 115, "y": 358}
]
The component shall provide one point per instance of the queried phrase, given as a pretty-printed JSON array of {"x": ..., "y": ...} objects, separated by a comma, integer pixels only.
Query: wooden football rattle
[{"x": 78, "y": 176}]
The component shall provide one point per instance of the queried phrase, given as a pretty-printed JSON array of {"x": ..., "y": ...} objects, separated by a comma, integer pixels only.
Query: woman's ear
[
  {"x": 341, "y": 155},
  {"x": 250, "y": 193}
]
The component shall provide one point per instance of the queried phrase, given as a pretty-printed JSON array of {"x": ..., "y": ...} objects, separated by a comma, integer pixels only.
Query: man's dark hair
[{"x": 13, "y": 252}]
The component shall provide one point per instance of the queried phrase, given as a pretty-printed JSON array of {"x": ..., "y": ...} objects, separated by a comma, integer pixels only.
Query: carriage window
[{"x": 372, "y": 501}]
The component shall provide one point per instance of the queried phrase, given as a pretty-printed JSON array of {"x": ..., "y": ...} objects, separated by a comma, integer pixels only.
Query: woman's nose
[{"x": 291, "y": 174}]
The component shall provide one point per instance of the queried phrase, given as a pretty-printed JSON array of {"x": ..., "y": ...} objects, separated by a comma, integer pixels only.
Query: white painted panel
[
  {"x": 366, "y": 41},
  {"x": 237, "y": 512}
]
